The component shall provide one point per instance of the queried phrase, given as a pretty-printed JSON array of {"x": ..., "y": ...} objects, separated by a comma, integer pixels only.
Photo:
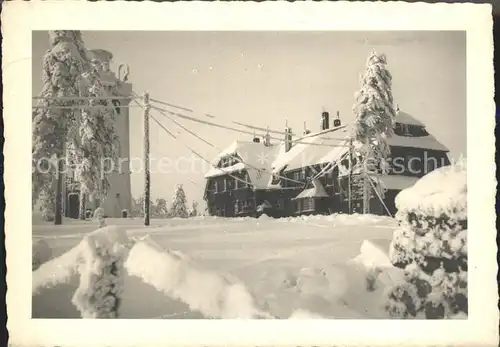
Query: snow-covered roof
[
  {"x": 405, "y": 118},
  {"x": 317, "y": 191},
  {"x": 215, "y": 171},
  {"x": 395, "y": 182},
  {"x": 257, "y": 159},
  {"x": 426, "y": 142},
  {"x": 312, "y": 149},
  {"x": 322, "y": 147}
]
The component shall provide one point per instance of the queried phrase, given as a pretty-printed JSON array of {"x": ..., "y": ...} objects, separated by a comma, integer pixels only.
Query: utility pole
[
  {"x": 147, "y": 178},
  {"x": 366, "y": 180},
  {"x": 59, "y": 188},
  {"x": 349, "y": 178}
]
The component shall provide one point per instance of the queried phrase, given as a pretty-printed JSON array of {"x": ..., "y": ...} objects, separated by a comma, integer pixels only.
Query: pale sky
[{"x": 264, "y": 78}]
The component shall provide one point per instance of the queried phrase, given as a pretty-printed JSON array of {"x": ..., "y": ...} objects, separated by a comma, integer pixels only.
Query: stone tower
[{"x": 119, "y": 195}]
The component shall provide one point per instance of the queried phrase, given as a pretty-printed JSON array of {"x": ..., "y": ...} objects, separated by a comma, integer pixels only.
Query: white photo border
[{"x": 19, "y": 19}]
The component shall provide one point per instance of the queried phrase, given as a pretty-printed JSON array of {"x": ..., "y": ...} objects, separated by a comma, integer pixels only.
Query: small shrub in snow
[
  {"x": 41, "y": 253},
  {"x": 99, "y": 215},
  {"x": 47, "y": 209},
  {"x": 431, "y": 245},
  {"x": 371, "y": 279},
  {"x": 102, "y": 273}
]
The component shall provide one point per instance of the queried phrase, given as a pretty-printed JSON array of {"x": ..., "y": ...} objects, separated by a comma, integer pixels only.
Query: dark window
[
  {"x": 414, "y": 164},
  {"x": 307, "y": 204},
  {"x": 280, "y": 204},
  {"x": 116, "y": 103},
  {"x": 410, "y": 130},
  {"x": 276, "y": 179},
  {"x": 399, "y": 129}
]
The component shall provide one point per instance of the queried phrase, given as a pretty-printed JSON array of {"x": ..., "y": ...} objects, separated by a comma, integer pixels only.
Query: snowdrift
[
  {"x": 214, "y": 295},
  {"x": 304, "y": 271},
  {"x": 353, "y": 289}
]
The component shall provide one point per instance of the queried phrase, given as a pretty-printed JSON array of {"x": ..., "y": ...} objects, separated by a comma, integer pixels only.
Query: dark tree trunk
[
  {"x": 81, "y": 211},
  {"x": 59, "y": 185}
]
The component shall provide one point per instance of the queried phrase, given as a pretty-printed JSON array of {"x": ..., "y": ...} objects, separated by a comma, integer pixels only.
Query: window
[
  {"x": 280, "y": 204},
  {"x": 399, "y": 129},
  {"x": 410, "y": 130},
  {"x": 116, "y": 104},
  {"x": 413, "y": 164},
  {"x": 216, "y": 186},
  {"x": 276, "y": 179},
  {"x": 225, "y": 184},
  {"x": 307, "y": 204},
  {"x": 330, "y": 178}
]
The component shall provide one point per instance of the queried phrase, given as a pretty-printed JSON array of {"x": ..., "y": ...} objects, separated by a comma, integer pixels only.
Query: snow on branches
[
  {"x": 179, "y": 203},
  {"x": 97, "y": 133},
  {"x": 431, "y": 245},
  {"x": 102, "y": 273},
  {"x": 63, "y": 65},
  {"x": 374, "y": 108}
]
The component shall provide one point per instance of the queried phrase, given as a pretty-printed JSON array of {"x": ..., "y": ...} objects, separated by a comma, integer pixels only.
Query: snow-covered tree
[
  {"x": 63, "y": 65},
  {"x": 194, "y": 209},
  {"x": 431, "y": 246},
  {"x": 375, "y": 116},
  {"x": 160, "y": 208},
  {"x": 179, "y": 203},
  {"x": 102, "y": 273},
  {"x": 98, "y": 138},
  {"x": 138, "y": 206}
]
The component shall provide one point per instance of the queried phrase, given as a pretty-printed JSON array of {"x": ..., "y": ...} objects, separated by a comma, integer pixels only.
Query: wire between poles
[{"x": 219, "y": 149}]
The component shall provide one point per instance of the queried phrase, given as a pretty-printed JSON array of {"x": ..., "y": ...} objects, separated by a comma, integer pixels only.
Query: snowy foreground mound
[
  {"x": 315, "y": 267},
  {"x": 431, "y": 244}
]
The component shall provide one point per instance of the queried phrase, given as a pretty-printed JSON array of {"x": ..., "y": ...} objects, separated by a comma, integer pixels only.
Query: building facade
[
  {"x": 320, "y": 173},
  {"x": 119, "y": 200}
]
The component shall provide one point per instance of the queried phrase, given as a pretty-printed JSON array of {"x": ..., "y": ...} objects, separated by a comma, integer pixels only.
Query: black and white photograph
[
  {"x": 335, "y": 172},
  {"x": 312, "y": 175}
]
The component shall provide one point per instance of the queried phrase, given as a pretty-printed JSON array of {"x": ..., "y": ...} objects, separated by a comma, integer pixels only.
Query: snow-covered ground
[{"x": 291, "y": 266}]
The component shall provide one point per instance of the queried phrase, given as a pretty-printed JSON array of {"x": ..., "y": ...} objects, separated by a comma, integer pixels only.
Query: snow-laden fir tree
[
  {"x": 431, "y": 246},
  {"x": 63, "y": 65},
  {"x": 138, "y": 206},
  {"x": 194, "y": 209},
  {"x": 96, "y": 153},
  {"x": 160, "y": 208},
  {"x": 102, "y": 273},
  {"x": 179, "y": 203},
  {"x": 375, "y": 116}
]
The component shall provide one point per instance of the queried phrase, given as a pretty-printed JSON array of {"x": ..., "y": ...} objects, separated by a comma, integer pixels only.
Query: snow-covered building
[
  {"x": 310, "y": 175},
  {"x": 238, "y": 182},
  {"x": 119, "y": 194}
]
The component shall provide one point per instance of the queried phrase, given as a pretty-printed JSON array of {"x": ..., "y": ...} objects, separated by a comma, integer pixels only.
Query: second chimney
[
  {"x": 288, "y": 139},
  {"x": 325, "y": 120}
]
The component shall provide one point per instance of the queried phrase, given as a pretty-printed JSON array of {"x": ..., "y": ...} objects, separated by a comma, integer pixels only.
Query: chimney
[
  {"x": 256, "y": 139},
  {"x": 306, "y": 131},
  {"x": 288, "y": 139},
  {"x": 337, "y": 122},
  {"x": 325, "y": 120},
  {"x": 267, "y": 138}
]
